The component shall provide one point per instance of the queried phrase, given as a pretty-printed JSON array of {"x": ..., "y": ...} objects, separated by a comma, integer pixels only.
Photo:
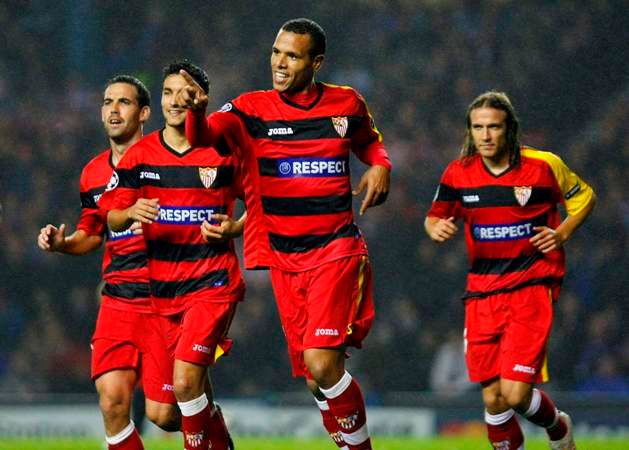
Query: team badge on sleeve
[
  {"x": 522, "y": 194},
  {"x": 226, "y": 107},
  {"x": 207, "y": 175},
  {"x": 113, "y": 182},
  {"x": 340, "y": 125}
]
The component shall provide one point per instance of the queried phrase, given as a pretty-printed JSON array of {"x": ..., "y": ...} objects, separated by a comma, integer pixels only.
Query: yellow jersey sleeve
[{"x": 577, "y": 193}]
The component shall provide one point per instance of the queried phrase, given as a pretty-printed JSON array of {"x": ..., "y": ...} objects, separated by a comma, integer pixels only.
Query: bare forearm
[
  {"x": 571, "y": 223},
  {"x": 118, "y": 219},
  {"x": 80, "y": 243}
]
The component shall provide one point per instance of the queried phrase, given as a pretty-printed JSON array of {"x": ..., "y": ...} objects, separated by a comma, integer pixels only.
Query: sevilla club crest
[
  {"x": 340, "y": 125},
  {"x": 207, "y": 175},
  {"x": 522, "y": 194}
]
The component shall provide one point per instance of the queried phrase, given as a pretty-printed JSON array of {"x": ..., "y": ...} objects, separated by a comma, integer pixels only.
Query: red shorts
[
  {"x": 329, "y": 306},
  {"x": 506, "y": 335},
  {"x": 130, "y": 340},
  {"x": 199, "y": 334}
]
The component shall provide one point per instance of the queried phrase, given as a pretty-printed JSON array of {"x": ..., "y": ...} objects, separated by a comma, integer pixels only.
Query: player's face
[
  {"x": 121, "y": 114},
  {"x": 174, "y": 113},
  {"x": 292, "y": 67},
  {"x": 489, "y": 132}
]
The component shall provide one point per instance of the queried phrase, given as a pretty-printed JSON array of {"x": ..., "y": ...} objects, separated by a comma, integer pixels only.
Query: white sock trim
[
  {"x": 357, "y": 437},
  {"x": 124, "y": 434},
  {"x": 339, "y": 387},
  {"x": 345, "y": 447},
  {"x": 499, "y": 419},
  {"x": 536, "y": 400},
  {"x": 194, "y": 406},
  {"x": 322, "y": 404}
]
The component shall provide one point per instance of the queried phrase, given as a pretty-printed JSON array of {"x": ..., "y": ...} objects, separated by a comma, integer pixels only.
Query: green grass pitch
[{"x": 313, "y": 444}]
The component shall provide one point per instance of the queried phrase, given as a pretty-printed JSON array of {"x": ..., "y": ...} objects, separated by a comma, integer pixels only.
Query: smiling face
[
  {"x": 292, "y": 66},
  {"x": 488, "y": 127},
  {"x": 121, "y": 114},
  {"x": 174, "y": 113}
]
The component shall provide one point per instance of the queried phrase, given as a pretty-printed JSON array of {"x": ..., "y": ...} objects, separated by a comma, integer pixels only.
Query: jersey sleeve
[
  {"x": 576, "y": 194},
  {"x": 92, "y": 219},
  {"x": 367, "y": 140},
  {"x": 123, "y": 188},
  {"x": 447, "y": 201},
  {"x": 216, "y": 131}
]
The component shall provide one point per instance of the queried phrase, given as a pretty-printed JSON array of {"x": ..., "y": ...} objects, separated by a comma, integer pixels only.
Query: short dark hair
[
  {"x": 143, "y": 95},
  {"x": 307, "y": 26},
  {"x": 496, "y": 100},
  {"x": 196, "y": 72}
]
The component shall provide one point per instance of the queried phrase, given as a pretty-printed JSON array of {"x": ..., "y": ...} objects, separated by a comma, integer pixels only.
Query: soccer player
[
  {"x": 127, "y": 344},
  {"x": 184, "y": 197},
  {"x": 295, "y": 142},
  {"x": 507, "y": 196}
]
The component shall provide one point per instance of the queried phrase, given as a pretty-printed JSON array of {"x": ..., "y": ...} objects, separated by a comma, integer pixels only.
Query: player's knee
[
  {"x": 324, "y": 372},
  {"x": 517, "y": 400},
  {"x": 493, "y": 400},
  {"x": 165, "y": 417},
  {"x": 187, "y": 387},
  {"x": 114, "y": 403}
]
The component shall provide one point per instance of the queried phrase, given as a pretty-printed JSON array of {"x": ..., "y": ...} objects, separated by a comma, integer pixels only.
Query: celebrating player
[
  {"x": 295, "y": 142},
  {"x": 127, "y": 344},
  {"x": 507, "y": 196},
  {"x": 184, "y": 197}
]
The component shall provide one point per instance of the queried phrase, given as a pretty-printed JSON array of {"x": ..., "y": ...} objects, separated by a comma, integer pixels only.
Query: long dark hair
[{"x": 495, "y": 100}]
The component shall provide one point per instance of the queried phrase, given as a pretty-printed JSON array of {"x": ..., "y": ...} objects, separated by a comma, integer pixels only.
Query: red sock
[
  {"x": 195, "y": 423},
  {"x": 542, "y": 412},
  {"x": 503, "y": 431},
  {"x": 330, "y": 423},
  {"x": 127, "y": 439},
  {"x": 348, "y": 407},
  {"x": 218, "y": 430}
]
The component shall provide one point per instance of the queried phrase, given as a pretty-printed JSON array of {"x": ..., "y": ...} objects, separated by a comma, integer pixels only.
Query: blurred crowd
[{"x": 419, "y": 64}]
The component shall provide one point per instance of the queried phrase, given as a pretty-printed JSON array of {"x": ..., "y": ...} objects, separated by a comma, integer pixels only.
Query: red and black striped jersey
[
  {"x": 190, "y": 186},
  {"x": 297, "y": 174},
  {"x": 125, "y": 268},
  {"x": 500, "y": 211}
]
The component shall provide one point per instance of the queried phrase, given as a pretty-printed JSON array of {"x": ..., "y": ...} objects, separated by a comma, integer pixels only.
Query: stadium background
[{"x": 418, "y": 63}]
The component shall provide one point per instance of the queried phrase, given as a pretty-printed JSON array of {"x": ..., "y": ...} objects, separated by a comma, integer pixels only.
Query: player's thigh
[
  {"x": 485, "y": 321},
  {"x": 340, "y": 303},
  {"x": 114, "y": 342},
  {"x": 157, "y": 360},
  {"x": 204, "y": 328},
  {"x": 527, "y": 333}
]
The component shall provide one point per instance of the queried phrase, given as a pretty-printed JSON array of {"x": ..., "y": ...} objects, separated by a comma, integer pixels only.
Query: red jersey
[
  {"x": 296, "y": 177},
  {"x": 190, "y": 186},
  {"x": 125, "y": 269},
  {"x": 500, "y": 211}
]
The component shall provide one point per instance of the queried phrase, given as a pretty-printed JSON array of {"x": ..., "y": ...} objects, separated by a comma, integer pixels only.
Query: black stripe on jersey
[
  {"x": 447, "y": 193},
  {"x": 496, "y": 266},
  {"x": 307, "y": 206},
  {"x": 296, "y": 130},
  {"x": 135, "y": 260},
  {"x": 304, "y": 243},
  {"x": 89, "y": 198},
  {"x": 166, "y": 251},
  {"x": 172, "y": 289},
  {"x": 548, "y": 281},
  {"x": 127, "y": 291},
  {"x": 172, "y": 176},
  {"x": 492, "y": 196}
]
